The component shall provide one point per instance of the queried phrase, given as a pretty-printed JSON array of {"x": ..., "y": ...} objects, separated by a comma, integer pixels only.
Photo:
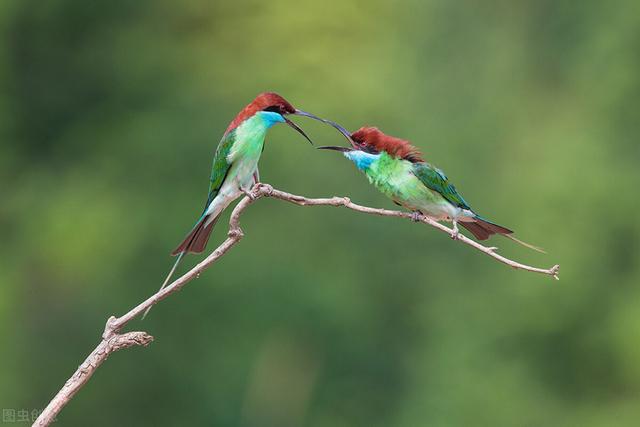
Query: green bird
[
  {"x": 397, "y": 169},
  {"x": 235, "y": 165}
]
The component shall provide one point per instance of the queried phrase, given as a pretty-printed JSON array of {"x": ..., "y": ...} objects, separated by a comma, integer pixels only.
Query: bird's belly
[
  {"x": 244, "y": 157},
  {"x": 410, "y": 192},
  {"x": 437, "y": 207},
  {"x": 432, "y": 204},
  {"x": 241, "y": 174},
  {"x": 229, "y": 191},
  {"x": 239, "y": 178},
  {"x": 246, "y": 171}
]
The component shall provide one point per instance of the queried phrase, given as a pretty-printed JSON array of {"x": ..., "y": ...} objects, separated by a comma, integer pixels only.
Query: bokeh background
[{"x": 110, "y": 111}]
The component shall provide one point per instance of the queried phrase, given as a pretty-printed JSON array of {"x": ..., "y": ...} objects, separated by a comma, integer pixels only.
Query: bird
[
  {"x": 235, "y": 165},
  {"x": 397, "y": 169}
]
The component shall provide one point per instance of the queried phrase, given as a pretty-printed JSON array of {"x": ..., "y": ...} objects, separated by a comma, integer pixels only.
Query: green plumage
[
  {"x": 421, "y": 187},
  {"x": 416, "y": 186},
  {"x": 437, "y": 181},
  {"x": 234, "y": 166},
  {"x": 220, "y": 167}
]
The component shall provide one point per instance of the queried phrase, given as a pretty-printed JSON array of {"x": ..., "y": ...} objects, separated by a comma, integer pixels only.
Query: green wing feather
[
  {"x": 436, "y": 180},
  {"x": 220, "y": 167},
  {"x": 196, "y": 240}
]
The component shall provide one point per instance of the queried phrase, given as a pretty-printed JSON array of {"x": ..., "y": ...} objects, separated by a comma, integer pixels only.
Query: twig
[
  {"x": 347, "y": 203},
  {"x": 113, "y": 340}
]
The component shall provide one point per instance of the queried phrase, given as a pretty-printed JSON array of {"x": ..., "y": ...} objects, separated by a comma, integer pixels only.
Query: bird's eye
[{"x": 273, "y": 109}]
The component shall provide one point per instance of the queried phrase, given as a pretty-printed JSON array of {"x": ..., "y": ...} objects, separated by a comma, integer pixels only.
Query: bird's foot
[
  {"x": 265, "y": 189},
  {"x": 249, "y": 194},
  {"x": 455, "y": 233},
  {"x": 416, "y": 216}
]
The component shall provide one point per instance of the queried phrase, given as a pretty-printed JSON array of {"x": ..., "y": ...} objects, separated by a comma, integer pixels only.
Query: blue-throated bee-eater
[
  {"x": 397, "y": 169},
  {"x": 235, "y": 164}
]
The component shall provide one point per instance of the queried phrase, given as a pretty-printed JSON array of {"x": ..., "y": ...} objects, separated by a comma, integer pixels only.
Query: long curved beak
[
  {"x": 340, "y": 129},
  {"x": 333, "y": 147},
  {"x": 311, "y": 116},
  {"x": 297, "y": 128}
]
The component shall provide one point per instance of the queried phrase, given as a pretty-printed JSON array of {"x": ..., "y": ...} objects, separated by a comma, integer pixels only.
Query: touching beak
[
  {"x": 297, "y": 128},
  {"x": 305, "y": 114},
  {"x": 331, "y": 147},
  {"x": 340, "y": 129}
]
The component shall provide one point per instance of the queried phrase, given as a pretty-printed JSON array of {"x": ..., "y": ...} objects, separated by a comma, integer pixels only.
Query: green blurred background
[{"x": 110, "y": 112}]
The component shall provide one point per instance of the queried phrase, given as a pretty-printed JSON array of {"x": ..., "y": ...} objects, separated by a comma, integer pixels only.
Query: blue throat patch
[
  {"x": 271, "y": 118},
  {"x": 361, "y": 159}
]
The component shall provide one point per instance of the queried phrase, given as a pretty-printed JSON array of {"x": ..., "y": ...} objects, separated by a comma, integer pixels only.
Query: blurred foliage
[{"x": 109, "y": 115}]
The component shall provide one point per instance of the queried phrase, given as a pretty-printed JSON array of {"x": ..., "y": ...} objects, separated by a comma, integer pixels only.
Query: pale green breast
[
  {"x": 394, "y": 178},
  {"x": 249, "y": 139},
  {"x": 247, "y": 148}
]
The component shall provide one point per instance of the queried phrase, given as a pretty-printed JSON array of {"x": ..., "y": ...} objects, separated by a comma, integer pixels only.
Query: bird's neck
[
  {"x": 257, "y": 121},
  {"x": 248, "y": 139},
  {"x": 362, "y": 159},
  {"x": 381, "y": 168},
  {"x": 257, "y": 125},
  {"x": 269, "y": 118}
]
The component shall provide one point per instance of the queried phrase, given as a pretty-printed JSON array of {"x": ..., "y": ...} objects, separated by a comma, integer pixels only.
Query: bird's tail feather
[
  {"x": 197, "y": 239},
  {"x": 476, "y": 229},
  {"x": 525, "y": 244},
  {"x": 173, "y": 269},
  {"x": 482, "y": 229},
  {"x": 194, "y": 243}
]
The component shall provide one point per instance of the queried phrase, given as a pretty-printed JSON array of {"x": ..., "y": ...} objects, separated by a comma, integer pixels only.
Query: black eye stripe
[{"x": 273, "y": 109}]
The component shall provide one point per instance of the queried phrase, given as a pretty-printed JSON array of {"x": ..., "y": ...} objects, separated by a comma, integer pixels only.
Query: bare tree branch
[
  {"x": 113, "y": 340},
  {"x": 81, "y": 376},
  {"x": 346, "y": 202}
]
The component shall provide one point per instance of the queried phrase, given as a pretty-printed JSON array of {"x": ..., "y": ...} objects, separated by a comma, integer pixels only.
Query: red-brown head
[
  {"x": 267, "y": 101},
  {"x": 373, "y": 140},
  {"x": 271, "y": 102}
]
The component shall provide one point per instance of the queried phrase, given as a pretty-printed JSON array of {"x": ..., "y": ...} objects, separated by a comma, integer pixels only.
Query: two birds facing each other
[{"x": 392, "y": 165}]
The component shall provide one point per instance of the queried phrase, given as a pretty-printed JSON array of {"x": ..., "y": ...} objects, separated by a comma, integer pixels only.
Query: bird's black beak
[
  {"x": 340, "y": 129},
  {"x": 332, "y": 147},
  {"x": 311, "y": 116},
  {"x": 297, "y": 128}
]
